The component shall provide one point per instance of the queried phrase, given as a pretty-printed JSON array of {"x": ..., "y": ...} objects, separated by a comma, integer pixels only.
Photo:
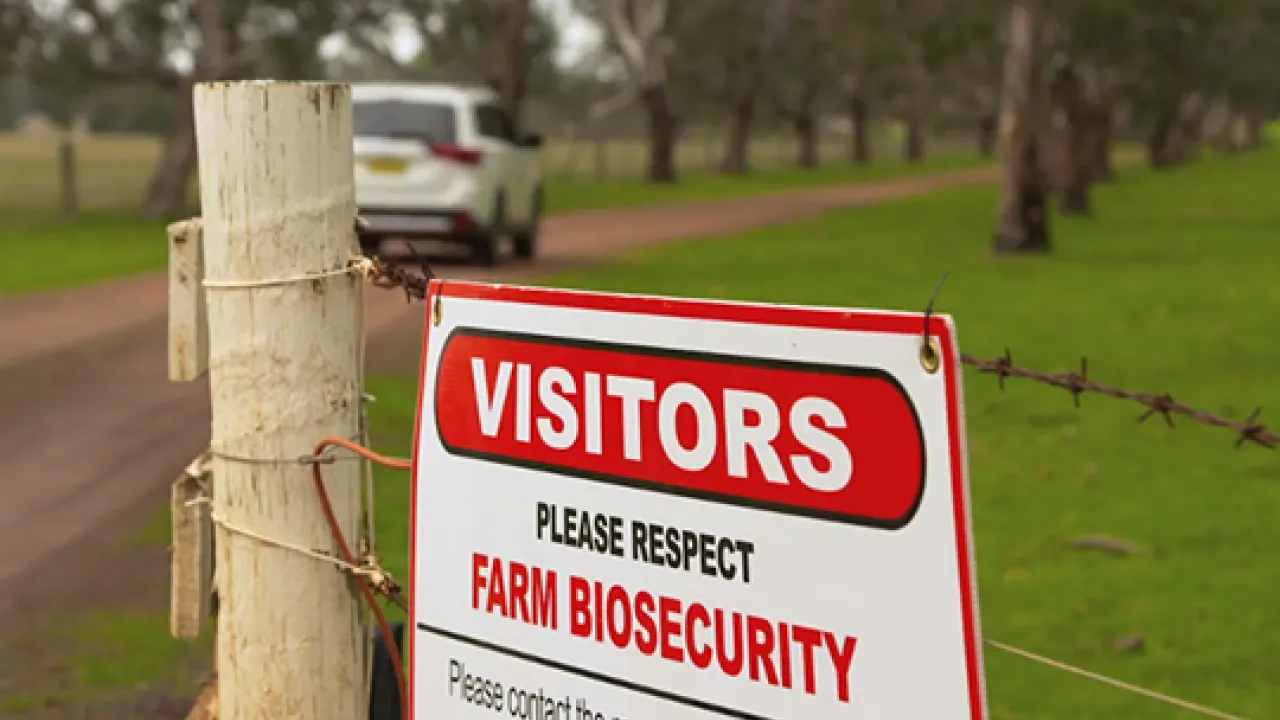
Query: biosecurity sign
[{"x": 629, "y": 508}]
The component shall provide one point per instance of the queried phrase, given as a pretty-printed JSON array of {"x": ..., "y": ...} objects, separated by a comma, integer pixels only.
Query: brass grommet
[{"x": 930, "y": 356}]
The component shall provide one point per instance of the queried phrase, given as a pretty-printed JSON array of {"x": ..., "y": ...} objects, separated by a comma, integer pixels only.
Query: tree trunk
[
  {"x": 1161, "y": 141},
  {"x": 507, "y": 74},
  {"x": 737, "y": 141},
  {"x": 1191, "y": 121},
  {"x": 171, "y": 178},
  {"x": 662, "y": 135},
  {"x": 1022, "y": 223},
  {"x": 913, "y": 143},
  {"x": 1102, "y": 170},
  {"x": 1175, "y": 137},
  {"x": 807, "y": 136},
  {"x": 859, "y": 130},
  {"x": 987, "y": 128},
  {"x": 806, "y": 126},
  {"x": 1224, "y": 134},
  {"x": 1075, "y": 141},
  {"x": 170, "y": 181},
  {"x": 1254, "y": 138}
]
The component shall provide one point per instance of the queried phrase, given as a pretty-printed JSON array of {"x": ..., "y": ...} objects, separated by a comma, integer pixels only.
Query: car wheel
[
  {"x": 370, "y": 244},
  {"x": 484, "y": 244},
  {"x": 526, "y": 241}
]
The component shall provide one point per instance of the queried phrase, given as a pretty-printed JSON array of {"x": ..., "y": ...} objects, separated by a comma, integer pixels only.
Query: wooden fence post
[
  {"x": 278, "y": 213},
  {"x": 191, "y": 552},
  {"x": 188, "y": 322}
]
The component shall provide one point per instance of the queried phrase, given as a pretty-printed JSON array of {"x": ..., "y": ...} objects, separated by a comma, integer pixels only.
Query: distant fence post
[
  {"x": 69, "y": 185},
  {"x": 600, "y": 152},
  {"x": 278, "y": 213}
]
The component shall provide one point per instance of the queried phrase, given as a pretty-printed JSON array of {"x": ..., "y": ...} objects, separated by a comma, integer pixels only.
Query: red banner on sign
[{"x": 832, "y": 442}]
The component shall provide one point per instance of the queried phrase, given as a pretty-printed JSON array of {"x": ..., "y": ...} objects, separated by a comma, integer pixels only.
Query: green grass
[
  {"x": 117, "y": 649},
  {"x": 108, "y": 241},
  {"x": 1169, "y": 288},
  {"x": 568, "y": 194},
  {"x": 60, "y": 253}
]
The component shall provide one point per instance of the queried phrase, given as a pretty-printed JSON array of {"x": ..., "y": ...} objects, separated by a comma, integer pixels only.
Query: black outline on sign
[
  {"x": 591, "y": 674},
  {"x": 709, "y": 496}
]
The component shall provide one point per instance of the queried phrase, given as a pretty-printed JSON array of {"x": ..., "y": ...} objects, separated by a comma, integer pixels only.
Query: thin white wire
[
  {"x": 1137, "y": 690},
  {"x": 281, "y": 544},
  {"x": 358, "y": 266}
]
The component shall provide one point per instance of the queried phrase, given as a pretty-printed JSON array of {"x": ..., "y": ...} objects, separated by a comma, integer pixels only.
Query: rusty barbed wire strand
[
  {"x": 389, "y": 275},
  {"x": 1163, "y": 404}
]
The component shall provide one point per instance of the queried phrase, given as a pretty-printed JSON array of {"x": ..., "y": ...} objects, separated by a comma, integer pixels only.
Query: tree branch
[
  {"x": 121, "y": 63},
  {"x": 629, "y": 42},
  {"x": 600, "y": 110}
]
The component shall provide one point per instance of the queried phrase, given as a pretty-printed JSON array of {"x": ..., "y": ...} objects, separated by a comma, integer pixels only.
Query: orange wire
[
  {"x": 370, "y": 596},
  {"x": 364, "y": 452}
]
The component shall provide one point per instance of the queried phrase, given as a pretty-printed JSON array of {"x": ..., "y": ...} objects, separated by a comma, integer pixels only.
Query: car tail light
[
  {"x": 456, "y": 154},
  {"x": 461, "y": 221}
]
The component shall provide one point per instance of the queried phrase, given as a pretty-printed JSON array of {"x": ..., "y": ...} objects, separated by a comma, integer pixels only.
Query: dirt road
[{"x": 91, "y": 433}]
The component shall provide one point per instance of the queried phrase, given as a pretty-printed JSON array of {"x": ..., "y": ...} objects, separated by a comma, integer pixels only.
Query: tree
[
  {"x": 726, "y": 51},
  {"x": 131, "y": 43},
  {"x": 1022, "y": 220},
  {"x": 799, "y": 63},
  {"x": 636, "y": 34},
  {"x": 506, "y": 44},
  {"x": 507, "y": 65},
  {"x": 16, "y": 21},
  {"x": 1074, "y": 125}
]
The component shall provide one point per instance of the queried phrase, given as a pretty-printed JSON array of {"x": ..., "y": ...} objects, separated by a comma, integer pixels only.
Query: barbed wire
[
  {"x": 1163, "y": 404},
  {"x": 391, "y": 275}
]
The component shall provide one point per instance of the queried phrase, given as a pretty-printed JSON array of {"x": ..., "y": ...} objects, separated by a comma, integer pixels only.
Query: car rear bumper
[{"x": 416, "y": 222}]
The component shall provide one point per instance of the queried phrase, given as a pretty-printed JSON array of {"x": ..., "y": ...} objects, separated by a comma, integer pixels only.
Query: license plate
[{"x": 386, "y": 166}]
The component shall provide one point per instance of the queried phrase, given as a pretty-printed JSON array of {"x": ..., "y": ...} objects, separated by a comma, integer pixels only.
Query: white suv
[{"x": 439, "y": 161}]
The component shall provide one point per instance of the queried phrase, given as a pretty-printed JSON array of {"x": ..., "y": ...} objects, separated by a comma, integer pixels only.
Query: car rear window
[{"x": 405, "y": 119}]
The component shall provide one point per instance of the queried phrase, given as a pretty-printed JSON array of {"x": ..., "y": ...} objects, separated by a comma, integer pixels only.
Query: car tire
[
  {"x": 526, "y": 241},
  {"x": 485, "y": 247},
  {"x": 369, "y": 244}
]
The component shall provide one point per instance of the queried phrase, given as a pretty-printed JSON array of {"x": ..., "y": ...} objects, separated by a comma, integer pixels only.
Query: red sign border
[{"x": 752, "y": 314}]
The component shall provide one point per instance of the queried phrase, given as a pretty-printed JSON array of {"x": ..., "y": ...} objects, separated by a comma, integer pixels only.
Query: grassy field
[
  {"x": 107, "y": 240},
  {"x": 113, "y": 169},
  {"x": 1168, "y": 289}
]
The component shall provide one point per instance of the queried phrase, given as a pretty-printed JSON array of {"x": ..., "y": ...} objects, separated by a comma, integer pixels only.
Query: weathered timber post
[{"x": 278, "y": 213}]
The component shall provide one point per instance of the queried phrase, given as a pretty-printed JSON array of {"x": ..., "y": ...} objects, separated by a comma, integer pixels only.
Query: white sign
[{"x": 639, "y": 508}]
